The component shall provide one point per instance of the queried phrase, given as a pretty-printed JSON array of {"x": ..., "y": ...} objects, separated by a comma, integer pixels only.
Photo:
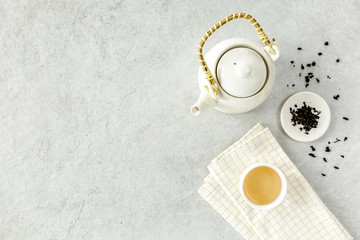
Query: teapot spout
[{"x": 204, "y": 102}]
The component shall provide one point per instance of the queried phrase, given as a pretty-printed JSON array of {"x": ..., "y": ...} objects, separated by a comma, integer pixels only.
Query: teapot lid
[{"x": 241, "y": 72}]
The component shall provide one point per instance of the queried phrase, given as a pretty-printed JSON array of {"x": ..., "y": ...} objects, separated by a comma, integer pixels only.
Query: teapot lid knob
[{"x": 243, "y": 70}]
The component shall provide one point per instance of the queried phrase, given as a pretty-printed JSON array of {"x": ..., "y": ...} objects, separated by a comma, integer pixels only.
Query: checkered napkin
[{"x": 305, "y": 218}]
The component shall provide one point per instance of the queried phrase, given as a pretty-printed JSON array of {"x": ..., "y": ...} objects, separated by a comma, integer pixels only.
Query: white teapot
[{"x": 238, "y": 74}]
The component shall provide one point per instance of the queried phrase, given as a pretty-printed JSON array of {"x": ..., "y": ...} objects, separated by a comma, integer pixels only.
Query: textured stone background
[{"x": 97, "y": 141}]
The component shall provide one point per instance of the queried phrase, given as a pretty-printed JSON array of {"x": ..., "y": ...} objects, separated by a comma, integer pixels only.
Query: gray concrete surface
[{"x": 97, "y": 141}]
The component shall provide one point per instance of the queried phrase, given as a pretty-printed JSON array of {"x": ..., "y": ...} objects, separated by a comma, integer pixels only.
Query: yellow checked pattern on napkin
[{"x": 305, "y": 218}]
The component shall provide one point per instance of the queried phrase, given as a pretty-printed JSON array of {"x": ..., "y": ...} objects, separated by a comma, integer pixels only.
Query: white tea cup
[{"x": 281, "y": 197}]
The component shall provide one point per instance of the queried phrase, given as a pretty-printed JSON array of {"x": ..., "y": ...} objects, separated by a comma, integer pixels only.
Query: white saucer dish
[{"x": 313, "y": 100}]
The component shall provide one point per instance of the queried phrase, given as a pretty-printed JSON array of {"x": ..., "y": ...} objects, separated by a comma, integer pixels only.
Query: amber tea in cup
[{"x": 262, "y": 185}]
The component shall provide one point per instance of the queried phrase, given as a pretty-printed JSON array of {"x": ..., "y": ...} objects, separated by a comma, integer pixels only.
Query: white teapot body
[
  {"x": 226, "y": 102},
  {"x": 237, "y": 74}
]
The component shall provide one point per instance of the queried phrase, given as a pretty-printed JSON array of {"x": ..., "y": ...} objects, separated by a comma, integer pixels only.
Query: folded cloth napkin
[{"x": 306, "y": 217}]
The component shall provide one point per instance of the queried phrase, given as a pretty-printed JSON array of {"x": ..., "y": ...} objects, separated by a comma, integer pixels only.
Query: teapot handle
[{"x": 213, "y": 89}]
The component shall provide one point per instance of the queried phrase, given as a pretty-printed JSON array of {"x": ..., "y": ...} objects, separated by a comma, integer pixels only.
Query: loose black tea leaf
[
  {"x": 327, "y": 149},
  {"x": 338, "y": 60},
  {"x": 345, "y": 139},
  {"x": 323, "y": 174},
  {"x": 291, "y": 62},
  {"x": 306, "y": 85},
  {"x": 336, "y": 167},
  {"x": 336, "y": 97},
  {"x": 324, "y": 159},
  {"x": 308, "y": 65},
  {"x": 313, "y": 63},
  {"x": 326, "y": 43},
  {"x": 312, "y": 155},
  {"x": 342, "y": 156},
  {"x": 299, "y": 74},
  {"x": 317, "y": 80},
  {"x": 345, "y": 118},
  {"x": 293, "y": 85},
  {"x": 337, "y": 140},
  {"x": 302, "y": 67},
  {"x": 328, "y": 77},
  {"x": 299, "y": 48},
  {"x": 320, "y": 53},
  {"x": 305, "y": 116},
  {"x": 312, "y": 148},
  {"x": 328, "y": 142}
]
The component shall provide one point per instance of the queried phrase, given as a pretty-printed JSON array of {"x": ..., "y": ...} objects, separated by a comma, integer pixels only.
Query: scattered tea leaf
[
  {"x": 327, "y": 149},
  {"x": 312, "y": 155}
]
